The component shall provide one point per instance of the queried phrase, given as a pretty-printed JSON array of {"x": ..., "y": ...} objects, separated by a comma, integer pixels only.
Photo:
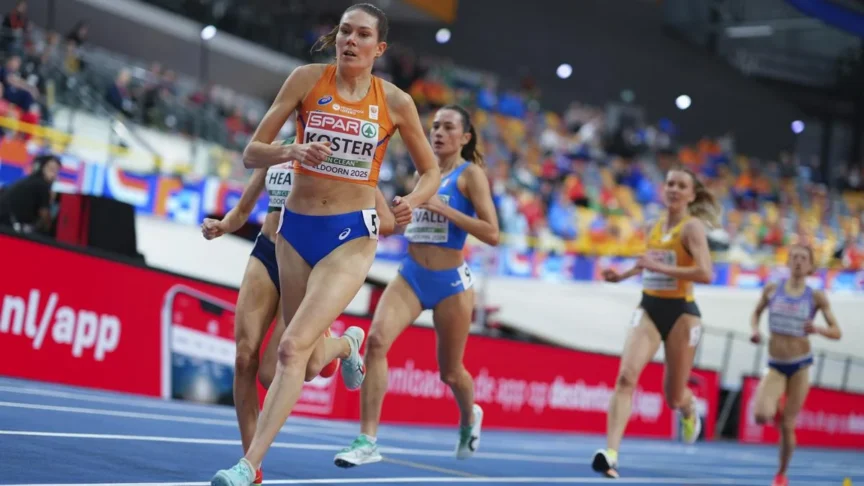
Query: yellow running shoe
[{"x": 690, "y": 428}]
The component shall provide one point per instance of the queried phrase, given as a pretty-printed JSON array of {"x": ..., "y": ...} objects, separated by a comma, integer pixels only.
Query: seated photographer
[{"x": 25, "y": 205}]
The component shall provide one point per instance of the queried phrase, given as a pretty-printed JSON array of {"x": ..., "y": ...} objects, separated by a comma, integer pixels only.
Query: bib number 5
[{"x": 370, "y": 217}]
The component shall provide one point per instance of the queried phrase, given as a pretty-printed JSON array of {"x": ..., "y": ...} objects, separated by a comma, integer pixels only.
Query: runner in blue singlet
[
  {"x": 791, "y": 305},
  {"x": 434, "y": 276}
]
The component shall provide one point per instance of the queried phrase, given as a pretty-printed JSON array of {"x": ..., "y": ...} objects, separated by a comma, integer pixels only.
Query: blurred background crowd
[{"x": 569, "y": 177}]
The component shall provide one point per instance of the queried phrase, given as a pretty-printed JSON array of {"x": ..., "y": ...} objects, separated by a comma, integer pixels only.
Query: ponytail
[
  {"x": 705, "y": 206},
  {"x": 326, "y": 41},
  {"x": 470, "y": 152}
]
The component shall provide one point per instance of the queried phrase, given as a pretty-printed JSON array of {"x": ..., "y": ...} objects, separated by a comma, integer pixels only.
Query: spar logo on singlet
[{"x": 352, "y": 142}]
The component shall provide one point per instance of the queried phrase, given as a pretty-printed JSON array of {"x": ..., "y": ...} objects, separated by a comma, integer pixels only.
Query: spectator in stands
[
  {"x": 25, "y": 205},
  {"x": 72, "y": 62},
  {"x": 78, "y": 35},
  {"x": 7, "y": 111},
  {"x": 15, "y": 89},
  {"x": 15, "y": 26},
  {"x": 405, "y": 69},
  {"x": 156, "y": 95},
  {"x": 118, "y": 94}
]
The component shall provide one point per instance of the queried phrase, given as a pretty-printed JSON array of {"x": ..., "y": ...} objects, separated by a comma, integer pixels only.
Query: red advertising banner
[
  {"x": 73, "y": 318},
  {"x": 547, "y": 388},
  {"x": 79, "y": 320},
  {"x": 829, "y": 418}
]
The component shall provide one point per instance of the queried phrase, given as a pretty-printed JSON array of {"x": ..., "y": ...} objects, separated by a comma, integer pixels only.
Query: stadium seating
[{"x": 556, "y": 184}]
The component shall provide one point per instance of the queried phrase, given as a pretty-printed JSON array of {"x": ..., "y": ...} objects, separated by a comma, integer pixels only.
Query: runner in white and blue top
[
  {"x": 434, "y": 276},
  {"x": 792, "y": 306}
]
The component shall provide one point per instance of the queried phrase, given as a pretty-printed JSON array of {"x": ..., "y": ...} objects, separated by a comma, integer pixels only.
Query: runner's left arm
[
  {"x": 832, "y": 331},
  {"x": 485, "y": 226}
]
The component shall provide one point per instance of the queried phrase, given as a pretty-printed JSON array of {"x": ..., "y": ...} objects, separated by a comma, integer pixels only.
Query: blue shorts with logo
[
  {"x": 433, "y": 286},
  {"x": 265, "y": 251},
  {"x": 315, "y": 237}
]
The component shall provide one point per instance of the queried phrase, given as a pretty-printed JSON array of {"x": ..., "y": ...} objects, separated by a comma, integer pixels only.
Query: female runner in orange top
[{"x": 329, "y": 228}]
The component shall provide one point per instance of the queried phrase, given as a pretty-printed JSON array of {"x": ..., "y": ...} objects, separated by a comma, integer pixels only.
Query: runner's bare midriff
[{"x": 318, "y": 196}]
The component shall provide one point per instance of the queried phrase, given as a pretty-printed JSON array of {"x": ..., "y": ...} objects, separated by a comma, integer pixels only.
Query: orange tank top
[
  {"x": 667, "y": 247},
  {"x": 358, "y": 132}
]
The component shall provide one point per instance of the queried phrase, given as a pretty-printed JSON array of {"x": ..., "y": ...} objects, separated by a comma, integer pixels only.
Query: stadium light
[
  {"x": 442, "y": 36},
  {"x": 797, "y": 127},
  {"x": 564, "y": 71},
  {"x": 208, "y": 33},
  {"x": 683, "y": 102},
  {"x": 628, "y": 96}
]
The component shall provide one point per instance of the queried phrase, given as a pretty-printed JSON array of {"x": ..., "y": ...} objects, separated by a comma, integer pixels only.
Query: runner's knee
[
  {"x": 451, "y": 375},
  {"x": 294, "y": 351},
  {"x": 762, "y": 418},
  {"x": 246, "y": 358},
  {"x": 787, "y": 422},
  {"x": 378, "y": 343},
  {"x": 627, "y": 379},
  {"x": 765, "y": 412}
]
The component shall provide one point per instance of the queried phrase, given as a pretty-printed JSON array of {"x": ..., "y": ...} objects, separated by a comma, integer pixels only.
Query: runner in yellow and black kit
[{"x": 677, "y": 255}]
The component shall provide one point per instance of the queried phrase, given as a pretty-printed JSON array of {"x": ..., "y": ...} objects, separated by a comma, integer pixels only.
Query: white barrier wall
[{"x": 585, "y": 315}]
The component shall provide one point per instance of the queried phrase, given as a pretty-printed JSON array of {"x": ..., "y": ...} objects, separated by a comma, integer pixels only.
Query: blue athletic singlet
[
  {"x": 788, "y": 315},
  {"x": 430, "y": 228}
]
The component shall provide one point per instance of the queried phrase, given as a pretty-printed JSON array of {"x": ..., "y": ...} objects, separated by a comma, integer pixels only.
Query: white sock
[{"x": 370, "y": 438}]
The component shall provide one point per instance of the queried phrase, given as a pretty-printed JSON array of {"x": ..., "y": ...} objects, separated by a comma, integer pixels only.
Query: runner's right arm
[
  {"x": 755, "y": 335},
  {"x": 239, "y": 214},
  {"x": 260, "y": 152}
]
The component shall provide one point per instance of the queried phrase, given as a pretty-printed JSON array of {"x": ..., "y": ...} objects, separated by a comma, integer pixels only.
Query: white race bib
[
  {"x": 352, "y": 142},
  {"x": 427, "y": 226},
  {"x": 370, "y": 218},
  {"x": 279, "y": 180},
  {"x": 658, "y": 281},
  {"x": 466, "y": 276}
]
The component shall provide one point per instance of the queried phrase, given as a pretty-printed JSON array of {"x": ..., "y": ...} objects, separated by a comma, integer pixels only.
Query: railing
[
  {"x": 85, "y": 90},
  {"x": 734, "y": 356},
  {"x": 77, "y": 94}
]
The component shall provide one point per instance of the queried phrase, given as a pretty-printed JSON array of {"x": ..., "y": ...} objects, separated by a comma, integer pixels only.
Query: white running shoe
[
  {"x": 469, "y": 437},
  {"x": 241, "y": 474},
  {"x": 360, "y": 452},
  {"x": 353, "y": 368}
]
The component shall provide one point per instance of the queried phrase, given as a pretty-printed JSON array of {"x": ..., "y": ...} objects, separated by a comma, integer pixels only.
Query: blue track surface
[{"x": 58, "y": 435}]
